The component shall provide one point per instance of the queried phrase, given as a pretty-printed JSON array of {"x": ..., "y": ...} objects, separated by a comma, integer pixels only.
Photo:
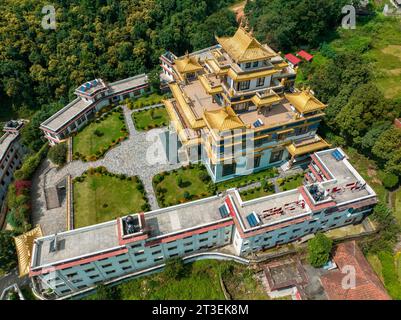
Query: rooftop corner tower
[{"x": 235, "y": 108}]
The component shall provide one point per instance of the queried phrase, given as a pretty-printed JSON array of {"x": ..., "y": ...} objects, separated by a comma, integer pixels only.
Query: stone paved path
[{"x": 141, "y": 155}]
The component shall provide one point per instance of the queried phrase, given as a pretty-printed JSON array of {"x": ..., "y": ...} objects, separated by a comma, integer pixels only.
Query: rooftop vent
[
  {"x": 224, "y": 212},
  {"x": 253, "y": 219}
]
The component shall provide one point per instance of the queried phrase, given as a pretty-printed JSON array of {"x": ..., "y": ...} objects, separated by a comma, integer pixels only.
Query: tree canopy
[{"x": 319, "y": 249}]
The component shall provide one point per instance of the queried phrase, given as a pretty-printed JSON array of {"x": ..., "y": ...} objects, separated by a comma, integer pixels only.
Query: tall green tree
[
  {"x": 8, "y": 255},
  {"x": 319, "y": 249}
]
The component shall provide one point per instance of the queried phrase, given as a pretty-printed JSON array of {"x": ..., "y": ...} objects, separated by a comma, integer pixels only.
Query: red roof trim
[
  {"x": 307, "y": 56},
  {"x": 189, "y": 233},
  {"x": 315, "y": 173},
  {"x": 311, "y": 205},
  {"x": 317, "y": 162},
  {"x": 293, "y": 59}
]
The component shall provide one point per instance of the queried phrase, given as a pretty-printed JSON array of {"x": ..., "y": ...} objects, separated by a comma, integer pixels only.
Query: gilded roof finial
[{"x": 186, "y": 54}]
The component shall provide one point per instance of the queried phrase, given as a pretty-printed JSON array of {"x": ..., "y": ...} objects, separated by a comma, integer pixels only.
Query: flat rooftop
[
  {"x": 75, "y": 243},
  {"x": 272, "y": 209},
  {"x": 343, "y": 174},
  {"x": 5, "y": 141},
  {"x": 104, "y": 237},
  {"x": 70, "y": 111},
  {"x": 270, "y": 116},
  {"x": 200, "y": 100},
  {"x": 129, "y": 83},
  {"x": 182, "y": 217}
]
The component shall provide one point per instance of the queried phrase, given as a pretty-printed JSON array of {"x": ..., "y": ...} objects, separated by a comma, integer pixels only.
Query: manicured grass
[
  {"x": 149, "y": 119},
  {"x": 254, "y": 193},
  {"x": 291, "y": 182},
  {"x": 376, "y": 265},
  {"x": 169, "y": 193},
  {"x": 146, "y": 100},
  {"x": 201, "y": 282},
  {"x": 99, "y": 136},
  {"x": 248, "y": 179},
  {"x": 100, "y": 197}
]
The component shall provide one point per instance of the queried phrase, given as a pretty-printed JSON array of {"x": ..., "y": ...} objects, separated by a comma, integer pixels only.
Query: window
[
  {"x": 256, "y": 161},
  {"x": 139, "y": 253},
  {"x": 244, "y": 85},
  {"x": 158, "y": 259},
  {"x": 82, "y": 286},
  {"x": 276, "y": 156},
  {"x": 255, "y": 64},
  {"x": 72, "y": 275},
  {"x": 141, "y": 260},
  {"x": 188, "y": 244},
  {"x": 65, "y": 291},
  {"x": 126, "y": 268},
  {"x": 172, "y": 248},
  {"x": 229, "y": 169},
  {"x": 111, "y": 271},
  {"x": 94, "y": 277},
  {"x": 123, "y": 261},
  {"x": 139, "y": 245},
  {"x": 107, "y": 265},
  {"x": 156, "y": 252},
  {"x": 260, "y": 82},
  {"x": 188, "y": 251},
  {"x": 203, "y": 240},
  {"x": 90, "y": 270},
  {"x": 248, "y": 65}
]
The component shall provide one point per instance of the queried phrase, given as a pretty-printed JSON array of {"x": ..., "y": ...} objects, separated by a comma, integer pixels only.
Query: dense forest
[{"x": 94, "y": 38}]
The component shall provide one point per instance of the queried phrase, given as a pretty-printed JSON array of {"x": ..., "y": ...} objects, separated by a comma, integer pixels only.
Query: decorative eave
[{"x": 308, "y": 147}]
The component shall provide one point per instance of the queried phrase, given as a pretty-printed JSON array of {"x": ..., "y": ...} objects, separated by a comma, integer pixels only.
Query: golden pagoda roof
[
  {"x": 243, "y": 47},
  {"x": 265, "y": 100},
  {"x": 223, "y": 119},
  {"x": 24, "y": 245},
  {"x": 308, "y": 147},
  {"x": 251, "y": 75},
  {"x": 187, "y": 64},
  {"x": 304, "y": 101}
]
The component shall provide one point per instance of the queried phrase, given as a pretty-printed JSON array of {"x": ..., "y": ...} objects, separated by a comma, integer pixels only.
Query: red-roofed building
[
  {"x": 292, "y": 60},
  {"x": 303, "y": 54},
  {"x": 367, "y": 285}
]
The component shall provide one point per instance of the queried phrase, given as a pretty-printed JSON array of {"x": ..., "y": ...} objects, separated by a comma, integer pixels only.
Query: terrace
[
  {"x": 275, "y": 115},
  {"x": 271, "y": 209}
]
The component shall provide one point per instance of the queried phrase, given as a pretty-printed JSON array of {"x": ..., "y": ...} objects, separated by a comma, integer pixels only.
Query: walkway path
[{"x": 141, "y": 155}]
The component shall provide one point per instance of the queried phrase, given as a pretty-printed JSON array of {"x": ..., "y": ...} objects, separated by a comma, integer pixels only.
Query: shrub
[
  {"x": 204, "y": 176},
  {"x": 158, "y": 178},
  {"x": 319, "y": 249},
  {"x": 8, "y": 254},
  {"x": 390, "y": 180},
  {"x": 30, "y": 164},
  {"x": 58, "y": 154},
  {"x": 187, "y": 195},
  {"x": 179, "y": 181},
  {"x": 98, "y": 133}
]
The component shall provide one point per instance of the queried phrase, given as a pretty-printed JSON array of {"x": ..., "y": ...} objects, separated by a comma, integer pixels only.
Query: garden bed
[
  {"x": 265, "y": 189},
  {"x": 183, "y": 185},
  {"x": 101, "y": 196},
  {"x": 91, "y": 143},
  {"x": 248, "y": 179},
  {"x": 145, "y": 101},
  {"x": 292, "y": 182},
  {"x": 150, "y": 119}
]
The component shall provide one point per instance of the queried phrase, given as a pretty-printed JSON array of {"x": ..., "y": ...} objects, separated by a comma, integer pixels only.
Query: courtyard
[
  {"x": 100, "y": 196},
  {"x": 150, "y": 118}
]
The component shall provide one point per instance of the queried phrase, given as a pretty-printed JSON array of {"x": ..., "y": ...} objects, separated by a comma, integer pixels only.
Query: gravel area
[{"x": 141, "y": 155}]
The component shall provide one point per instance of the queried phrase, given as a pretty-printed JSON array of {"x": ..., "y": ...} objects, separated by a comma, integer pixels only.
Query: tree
[
  {"x": 174, "y": 269},
  {"x": 104, "y": 292},
  {"x": 58, "y": 154},
  {"x": 386, "y": 144},
  {"x": 8, "y": 254},
  {"x": 390, "y": 180},
  {"x": 319, "y": 249}
]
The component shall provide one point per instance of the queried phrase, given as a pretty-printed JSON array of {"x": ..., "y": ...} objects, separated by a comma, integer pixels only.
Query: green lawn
[
  {"x": 254, "y": 193},
  {"x": 248, "y": 179},
  {"x": 149, "y": 119},
  {"x": 290, "y": 183},
  {"x": 100, "y": 198},
  {"x": 200, "y": 282},
  {"x": 99, "y": 136},
  {"x": 146, "y": 100},
  {"x": 169, "y": 193}
]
